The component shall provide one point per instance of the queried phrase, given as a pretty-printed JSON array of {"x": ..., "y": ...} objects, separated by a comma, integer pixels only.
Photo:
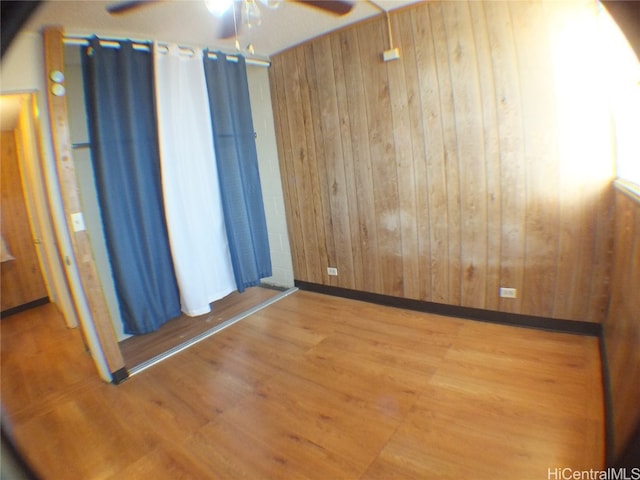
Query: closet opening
[{"x": 142, "y": 351}]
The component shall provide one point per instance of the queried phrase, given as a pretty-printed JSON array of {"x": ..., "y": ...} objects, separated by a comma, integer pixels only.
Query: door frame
[
  {"x": 29, "y": 150},
  {"x": 85, "y": 283}
]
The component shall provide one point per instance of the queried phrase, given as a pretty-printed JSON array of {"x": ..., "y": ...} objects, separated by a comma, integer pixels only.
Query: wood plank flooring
[
  {"x": 311, "y": 387},
  {"x": 140, "y": 348}
]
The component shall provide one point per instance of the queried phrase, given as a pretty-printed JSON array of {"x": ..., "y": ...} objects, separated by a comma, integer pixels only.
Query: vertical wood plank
[
  {"x": 358, "y": 123},
  {"x": 405, "y": 164},
  {"x": 512, "y": 171},
  {"x": 342, "y": 96},
  {"x": 54, "y": 60},
  {"x": 622, "y": 325},
  {"x": 302, "y": 171},
  {"x": 469, "y": 129},
  {"x": 317, "y": 177},
  {"x": 384, "y": 173},
  {"x": 491, "y": 152},
  {"x": 334, "y": 164},
  {"x": 601, "y": 276},
  {"x": 449, "y": 136},
  {"x": 540, "y": 156},
  {"x": 307, "y": 234},
  {"x": 403, "y": 29},
  {"x": 431, "y": 138}
]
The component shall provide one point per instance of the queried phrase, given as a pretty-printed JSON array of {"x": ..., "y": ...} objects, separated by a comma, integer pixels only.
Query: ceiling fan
[{"x": 248, "y": 9}]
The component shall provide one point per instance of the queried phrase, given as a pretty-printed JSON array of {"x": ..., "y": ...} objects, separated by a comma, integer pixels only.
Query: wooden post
[{"x": 54, "y": 61}]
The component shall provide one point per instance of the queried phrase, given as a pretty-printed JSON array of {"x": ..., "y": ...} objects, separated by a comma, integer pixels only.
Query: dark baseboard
[
  {"x": 22, "y": 308},
  {"x": 119, "y": 376},
  {"x": 513, "y": 319},
  {"x": 630, "y": 456},
  {"x": 608, "y": 402}
]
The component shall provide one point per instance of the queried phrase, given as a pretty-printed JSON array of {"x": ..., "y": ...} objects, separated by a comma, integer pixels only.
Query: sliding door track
[{"x": 198, "y": 338}]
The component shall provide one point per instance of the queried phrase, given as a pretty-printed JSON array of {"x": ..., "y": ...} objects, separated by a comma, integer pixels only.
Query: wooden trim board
[{"x": 54, "y": 61}]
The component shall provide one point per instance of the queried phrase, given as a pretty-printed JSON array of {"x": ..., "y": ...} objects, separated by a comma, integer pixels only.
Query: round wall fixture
[
  {"x": 56, "y": 76},
  {"x": 58, "y": 90}
]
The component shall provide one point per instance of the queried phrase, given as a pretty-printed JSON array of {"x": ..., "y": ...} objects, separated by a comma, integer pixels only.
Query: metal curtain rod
[{"x": 143, "y": 45}]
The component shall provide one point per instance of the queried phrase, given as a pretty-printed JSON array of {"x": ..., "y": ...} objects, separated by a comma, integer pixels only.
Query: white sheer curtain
[{"x": 191, "y": 191}]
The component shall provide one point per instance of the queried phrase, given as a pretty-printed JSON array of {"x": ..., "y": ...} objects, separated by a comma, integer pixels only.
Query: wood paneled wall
[
  {"x": 480, "y": 159},
  {"x": 21, "y": 278},
  {"x": 622, "y": 326}
]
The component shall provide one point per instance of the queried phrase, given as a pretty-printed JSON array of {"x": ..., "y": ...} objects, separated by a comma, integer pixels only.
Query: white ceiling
[{"x": 189, "y": 23}]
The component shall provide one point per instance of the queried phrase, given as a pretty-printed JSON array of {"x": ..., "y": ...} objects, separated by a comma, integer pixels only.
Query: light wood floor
[
  {"x": 311, "y": 387},
  {"x": 140, "y": 348}
]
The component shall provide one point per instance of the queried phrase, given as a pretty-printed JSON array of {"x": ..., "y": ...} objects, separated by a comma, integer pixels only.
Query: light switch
[{"x": 78, "y": 222}]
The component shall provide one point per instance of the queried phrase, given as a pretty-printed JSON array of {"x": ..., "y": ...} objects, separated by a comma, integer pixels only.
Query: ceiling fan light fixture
[
  {"x": 218, "y": 7},
  {"x": 272, "y": 4},
  {"x": 251, "y": 16}
]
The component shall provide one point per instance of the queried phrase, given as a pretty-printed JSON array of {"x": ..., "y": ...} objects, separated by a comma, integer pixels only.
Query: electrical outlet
[
  {"x": 332, "y": 271},
  {"x": 508, "y": 292}
]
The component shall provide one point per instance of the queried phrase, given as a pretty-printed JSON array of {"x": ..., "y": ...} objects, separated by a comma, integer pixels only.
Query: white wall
[
  {"x": 86, "y": 184},
  {"x": 22, "y": 65},
  {"x": 270, "y": 177}
]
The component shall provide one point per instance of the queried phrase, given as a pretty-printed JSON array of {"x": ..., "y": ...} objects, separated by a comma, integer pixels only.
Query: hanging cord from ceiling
[{"x": 393, "y": 53}]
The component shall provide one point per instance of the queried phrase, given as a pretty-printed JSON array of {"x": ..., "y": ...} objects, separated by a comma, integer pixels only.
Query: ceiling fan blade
[
  {"x": 121, "y": 8},
  {"x": 336, "y": 7}
]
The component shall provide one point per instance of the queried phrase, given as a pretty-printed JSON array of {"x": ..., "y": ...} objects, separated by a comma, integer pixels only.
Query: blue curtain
[
  {"x": 120, "y": 101},
  {"x": 237, "y": 160}
]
